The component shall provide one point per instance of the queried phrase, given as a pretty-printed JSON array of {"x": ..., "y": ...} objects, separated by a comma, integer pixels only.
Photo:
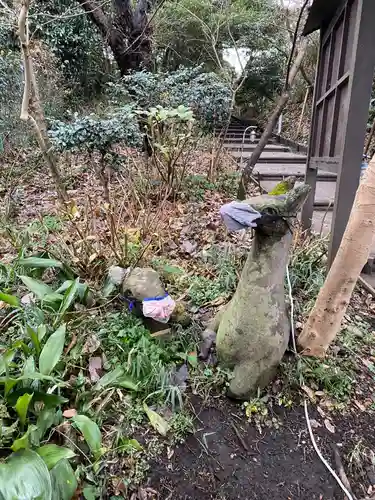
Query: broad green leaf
[
  {"x": 24, "y": 476},
  {"x": 24, "y": 441},
  {"x": 81, "y": 290},
  {"x": 49, "y": 400},
  {"x": 64, "y": 482},
  {"x": 129, "y": 445},
  {"x": 116, "y": 377},
  {"x": 52, "y": 350},
  {"x": 29, "y": 366},
  {"x": 5, "y": 358},
  {"x": 169, "y": 269},
  {"x": 12, "y": 300},
  {"x": 157, "y": 422},
  {"x": 40, "y": 262},
  {"x": 90, "y": 493},
  {"x": 52, "y": 454},
  {"x": 19, "y": 344},
  {"x": 69, "y": 297},
  {"x": 10, "y": 382},
  {"x": 45, "y": 420},
  {"x": 90, "y": 432},
  {"x": 193, "y": 359},
  {"x": 127, "y": 383},
  {"x": 22, "y": 406},
  {"x": 34, "y": 338},
  {"x": 109, "y": 378},
  {"x": 108, "y": 288},
  {"x": 41, "y": 331},
  {"x": 53, "y": 298},
  {"x": 38, "y": 288},
  {"x": 30, "y": 375}
]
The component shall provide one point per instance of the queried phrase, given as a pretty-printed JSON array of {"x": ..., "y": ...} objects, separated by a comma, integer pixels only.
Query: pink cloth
[{"x": 159, "y": 309}]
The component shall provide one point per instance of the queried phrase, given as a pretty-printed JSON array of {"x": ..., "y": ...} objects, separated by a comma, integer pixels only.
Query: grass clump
[
  {"x": 149, "y": 361},
  {"x": 196, "y": 186},
  {"x": 335, "y": 379},
  {"x": 223, "y": 266},
  {"x": 307, "y": 271}
]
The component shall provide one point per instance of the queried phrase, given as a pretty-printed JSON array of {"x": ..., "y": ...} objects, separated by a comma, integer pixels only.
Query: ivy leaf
[{"x": 52, "y": 351}]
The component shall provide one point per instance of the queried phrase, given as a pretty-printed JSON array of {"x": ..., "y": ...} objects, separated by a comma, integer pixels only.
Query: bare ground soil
[{"x": 227, "y": 459}]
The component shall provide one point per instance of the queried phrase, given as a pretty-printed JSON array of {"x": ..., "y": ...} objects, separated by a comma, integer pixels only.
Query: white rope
[
  {"x": 339, "y": 482},
  {"x": 291, "y": 310}
]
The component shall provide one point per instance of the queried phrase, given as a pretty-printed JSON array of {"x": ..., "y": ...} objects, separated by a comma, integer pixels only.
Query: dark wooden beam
[{"x": 359, "y": 93}]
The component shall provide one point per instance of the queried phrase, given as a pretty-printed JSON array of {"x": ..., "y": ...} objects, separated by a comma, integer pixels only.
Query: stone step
[
  {"x": 248, "y": 146},
  {"x": 272, "y": 157},
  {"x": 236, "y": 128},
  {"x": 322, "y": 221},
  {"x": 324, "y": 195},
  {"x": 239, "y": 139},
  {"x": 278, "y": 171}
]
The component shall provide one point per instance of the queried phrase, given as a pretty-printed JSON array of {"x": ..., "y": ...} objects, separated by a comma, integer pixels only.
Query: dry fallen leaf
[
  {"x": 309, "y": 392},
  {"x": 91, "y": 345},
  {"x": 188, "y": 246},
  {"x": 314, "y": 423},
  {"x": 320, "y": 411},
  {"x": 329, "y": 426},
  {"x": 95, "y": 367},
  {"x": 359, "y": 405},
  {"x": 319, "y": 393}
]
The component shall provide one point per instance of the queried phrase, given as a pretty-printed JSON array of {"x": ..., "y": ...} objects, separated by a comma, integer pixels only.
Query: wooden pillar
[
  {"x": 359, "y": 92},
  {"x": 311, "y": 173}
]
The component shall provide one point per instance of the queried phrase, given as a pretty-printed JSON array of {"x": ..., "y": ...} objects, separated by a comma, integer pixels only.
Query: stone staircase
[{"x": 278, "y": 161}]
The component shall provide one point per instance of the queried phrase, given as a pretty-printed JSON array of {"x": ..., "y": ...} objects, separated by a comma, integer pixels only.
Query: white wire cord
[
  {"x": 339, "y": 482},
  {"x": 291, "y": 310},
  {"x": 319, "y": 453}
]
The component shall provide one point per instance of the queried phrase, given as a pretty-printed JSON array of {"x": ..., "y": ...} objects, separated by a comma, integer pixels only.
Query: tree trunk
[
  {"x": 283, "y": 99},
  {"x": 127, "y": 32},
  {"x": 31, "y": 110},
  {"x": 253, "y": 331},
  {"x": 325, "y": 319},
  {"x": 369, "y": 139}
]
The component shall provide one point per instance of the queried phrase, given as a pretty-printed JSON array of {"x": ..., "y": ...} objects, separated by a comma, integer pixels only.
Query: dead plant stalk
[{"x": 31, "y": 108}]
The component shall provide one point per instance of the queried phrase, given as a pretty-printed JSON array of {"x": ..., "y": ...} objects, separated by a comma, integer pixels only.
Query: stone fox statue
[{"x": 252, "y": 331}]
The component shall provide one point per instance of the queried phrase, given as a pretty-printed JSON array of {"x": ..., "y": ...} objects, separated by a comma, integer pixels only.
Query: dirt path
[{"x": 278, "y": 465}]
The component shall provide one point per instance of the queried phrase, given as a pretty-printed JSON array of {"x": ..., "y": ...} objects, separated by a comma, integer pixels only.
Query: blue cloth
[{"x": 237, "y": 216}]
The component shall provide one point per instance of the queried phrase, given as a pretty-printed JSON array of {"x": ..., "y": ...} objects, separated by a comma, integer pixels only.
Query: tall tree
[
  {"x": 126, "y": 30},
  {"x": 325, "y": 319}
]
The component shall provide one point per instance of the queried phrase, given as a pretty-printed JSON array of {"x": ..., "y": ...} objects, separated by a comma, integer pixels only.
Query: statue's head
[{"x": 278, "y": 211}]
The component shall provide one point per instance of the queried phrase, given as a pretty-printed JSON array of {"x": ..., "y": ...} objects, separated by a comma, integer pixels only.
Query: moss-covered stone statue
[{"x": 252, "y": 331}]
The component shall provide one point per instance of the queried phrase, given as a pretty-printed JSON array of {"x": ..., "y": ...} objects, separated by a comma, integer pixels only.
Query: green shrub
[{"x": 204, "y": 93}]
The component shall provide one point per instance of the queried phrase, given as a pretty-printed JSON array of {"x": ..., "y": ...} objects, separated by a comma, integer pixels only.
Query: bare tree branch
[{"x": 31, "y": 103}]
